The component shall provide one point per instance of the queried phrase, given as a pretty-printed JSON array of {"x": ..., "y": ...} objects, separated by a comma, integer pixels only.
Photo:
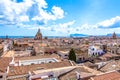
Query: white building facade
[{"x": 95, "y": 51}]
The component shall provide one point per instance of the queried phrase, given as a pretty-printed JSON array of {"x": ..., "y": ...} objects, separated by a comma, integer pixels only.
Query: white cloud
[
  {"x": 58, "y": 12},
  {"x": 100, "y": 28},
  {"x": 19, "y": 12},
  {"x": 13, "y": 11},
  {"x": 40, "y": 27},
  {"x": 64, "y": 25},
  {"x": 94, "y": 29},
  {"x": 61, "y": 27},
  {"x": 110, "y": 23},
  {"x": 85, "y": 26},
  {"x": 23, "y": 18},
  {"x": 41, "y": 3}
]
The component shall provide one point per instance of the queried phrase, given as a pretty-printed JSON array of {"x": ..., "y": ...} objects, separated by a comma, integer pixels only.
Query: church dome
[
  {"x": 114, "y": 35},
  {"x": 38, "y": 35}
]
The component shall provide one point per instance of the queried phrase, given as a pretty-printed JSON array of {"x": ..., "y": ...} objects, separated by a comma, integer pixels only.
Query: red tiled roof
[
  {"x": 36, "y": 57},
  {"x": 1, "y": 46},
  {"x": 20, "y": 70},
  {"x": 107, "y": 76},
  {"x": 111, "y": 65},
  {"x": 4, "y": 62}
]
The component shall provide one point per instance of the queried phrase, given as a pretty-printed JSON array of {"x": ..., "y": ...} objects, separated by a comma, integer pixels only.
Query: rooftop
[
  {"x": 36, "y": 57},
  {"x": 8, "y": 54},
  {"x": 20, "y": 70},
  {"x": 4, "y": 62},
  {"x": 108, "y": 55},
  {"x": 1, "y": 46},
  {"x": 64, "y": 52},
  {"x": 111, "y": 65},
  {"x": 107, "y": 76},
  {"x": 72, "y": 74}
]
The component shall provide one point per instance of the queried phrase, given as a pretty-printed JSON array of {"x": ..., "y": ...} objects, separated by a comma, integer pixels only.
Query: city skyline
[{"x": 59, "y": 17}]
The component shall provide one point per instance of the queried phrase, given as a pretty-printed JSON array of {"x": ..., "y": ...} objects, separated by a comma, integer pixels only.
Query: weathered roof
[
  {"x": 108, "y": 55},
  {"x": 73, "y": 75},
  {"x": 20, "y": 70},
  {"x": 8, "y": 54},
  {"x": 20, "y": 78},
  {"x": 1, "y": 46},
  {"x": 4, "y": 63},
  {"x": 111, "y": 65},
  {"x": 36, "y": 57},
  {"x": 107, "y": 76}
]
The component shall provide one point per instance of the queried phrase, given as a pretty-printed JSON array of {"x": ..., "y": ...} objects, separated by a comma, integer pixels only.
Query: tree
[{"x": 72, "y": 55}]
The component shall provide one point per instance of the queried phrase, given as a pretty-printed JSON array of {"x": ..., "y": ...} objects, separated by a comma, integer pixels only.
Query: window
[
  {"x": 93, "y": 49},
  {"x": 50, "y": 75},
  {"x": 99, "y": 53},
  {"x": 50, "y": 61},
  {"x": 66, "y": 55},
  {"x": 1, "y": 76}
]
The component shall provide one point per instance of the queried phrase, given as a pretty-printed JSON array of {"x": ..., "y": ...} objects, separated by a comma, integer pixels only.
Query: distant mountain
[
  {"x": 112, "y": 34},
  {"x": 85, "y": 35},
  {"x": 78, "y": 35}
]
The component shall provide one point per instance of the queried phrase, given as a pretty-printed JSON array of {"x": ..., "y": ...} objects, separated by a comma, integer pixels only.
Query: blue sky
[{"x": 59, "y": 17}]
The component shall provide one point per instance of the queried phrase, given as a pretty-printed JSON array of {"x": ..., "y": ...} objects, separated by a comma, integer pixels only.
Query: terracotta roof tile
[
  {"x": 21, "y": 78},
  {"x": 4, "y": 62},
  {"x": 108, "y": 55},
  {"x": 19, "y": 70},
  {"x": 107, "y": 76},
  {"x": 36, "y": 57},
  {"x": 72, "y": 74},
  {"x": 1, "y": 46},
  {"x": 111, "y": 65}
]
